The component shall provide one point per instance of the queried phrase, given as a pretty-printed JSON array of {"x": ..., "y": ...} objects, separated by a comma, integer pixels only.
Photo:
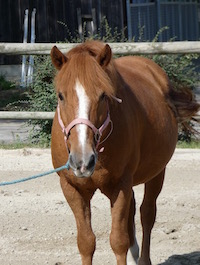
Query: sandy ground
[{"x": 37, "y": 226}]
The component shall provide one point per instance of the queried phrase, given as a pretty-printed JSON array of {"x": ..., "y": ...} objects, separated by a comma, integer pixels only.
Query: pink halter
[{"x": 97, "y": 131}]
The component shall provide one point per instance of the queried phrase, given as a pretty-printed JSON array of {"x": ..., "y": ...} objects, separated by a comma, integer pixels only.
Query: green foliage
[
  {"x": 42, "y": 98},
  {"x": 104, "y": 33},
  {"x": 4, "y": 84},
  {"x": 192, "y": 144},
  {"x": 19, "y": 145},
  {"x": 12, "y": 98},
  {"x": 180, "y": 68}
]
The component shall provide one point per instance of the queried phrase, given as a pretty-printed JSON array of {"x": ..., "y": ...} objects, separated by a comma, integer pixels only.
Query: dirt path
[{"x": 37, "y": 226}]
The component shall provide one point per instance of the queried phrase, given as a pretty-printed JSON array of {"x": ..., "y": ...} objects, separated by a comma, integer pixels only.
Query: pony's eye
[
  {"x": 103, "y": 95},
  {"x": 60, "y": 96}
]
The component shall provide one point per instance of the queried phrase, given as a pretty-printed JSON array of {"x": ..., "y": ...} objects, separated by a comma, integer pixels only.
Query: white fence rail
[
  {"x": 118, "y": 48},
  {"x": 27, "y": 115}
]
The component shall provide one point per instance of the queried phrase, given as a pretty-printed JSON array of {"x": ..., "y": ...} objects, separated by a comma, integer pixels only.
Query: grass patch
[
  {"x": 18, "y": 145},
  {"x": 194, "y": 144}
]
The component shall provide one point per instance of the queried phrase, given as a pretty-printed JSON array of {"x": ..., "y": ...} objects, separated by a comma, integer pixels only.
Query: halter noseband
[{"x": 97, "y": 131}]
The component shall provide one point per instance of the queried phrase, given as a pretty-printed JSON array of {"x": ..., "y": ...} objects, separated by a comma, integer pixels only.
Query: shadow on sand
[{"x": 186, "y": 259}]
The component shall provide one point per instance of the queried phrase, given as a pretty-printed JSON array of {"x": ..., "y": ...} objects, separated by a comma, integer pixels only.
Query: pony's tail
[{"x": 185, "y": 106}]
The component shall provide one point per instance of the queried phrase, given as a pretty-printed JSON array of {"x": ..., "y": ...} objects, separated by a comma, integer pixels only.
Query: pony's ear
[
  {"x": 58, "y": 58},
  {"x": 105, "y": 56}
]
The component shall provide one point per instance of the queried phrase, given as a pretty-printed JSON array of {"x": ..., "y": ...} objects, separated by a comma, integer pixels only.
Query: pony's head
[{"x": 83, "y": 84}]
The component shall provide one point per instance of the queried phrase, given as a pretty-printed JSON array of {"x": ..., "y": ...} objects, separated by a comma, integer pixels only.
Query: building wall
[
  {"x": 56, "y": 20},
  {"x": 146, "y": 17}
]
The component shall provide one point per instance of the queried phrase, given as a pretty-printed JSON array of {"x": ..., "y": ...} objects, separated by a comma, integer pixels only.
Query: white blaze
[{"x": 82, "y": 112}]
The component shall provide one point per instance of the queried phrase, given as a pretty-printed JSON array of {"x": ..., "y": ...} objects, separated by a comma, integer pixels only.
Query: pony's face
[{"x": 82, "y": 85}]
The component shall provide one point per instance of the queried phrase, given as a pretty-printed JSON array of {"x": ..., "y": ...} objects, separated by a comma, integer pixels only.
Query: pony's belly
[{"x": 151, "y": 167}]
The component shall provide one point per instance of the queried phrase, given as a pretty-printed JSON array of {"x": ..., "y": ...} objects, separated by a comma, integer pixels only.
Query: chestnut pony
[{"x": 116, "y": 125}]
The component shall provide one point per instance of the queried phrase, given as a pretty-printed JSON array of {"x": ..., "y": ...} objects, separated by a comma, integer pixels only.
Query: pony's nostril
[
  {"x": 81, "y": 167},
  {"x": 72, "y": 162},
  {"x": 92, "y": 162}
]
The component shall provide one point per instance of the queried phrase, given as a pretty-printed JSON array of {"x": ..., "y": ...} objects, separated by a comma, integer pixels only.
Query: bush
[
  {"x": 180, "y": 69},
  {"x": 42, "y": 97},
  {"x": 12, "y": 97},
  {"x": 4, "y": 84}
]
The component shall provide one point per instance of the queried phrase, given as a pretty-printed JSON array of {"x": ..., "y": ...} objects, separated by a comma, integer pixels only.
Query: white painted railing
[{"x": 117, "y": 48}]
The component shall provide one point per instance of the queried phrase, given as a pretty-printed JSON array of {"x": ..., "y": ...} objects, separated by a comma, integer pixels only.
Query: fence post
[
  {"x": 159, "y": 19},
  {"x": 180, "y": 20},
  {"x": 31, "y": 58},
  {"x": 23, "y": 75},
  {"x": 128, "y": 10}
]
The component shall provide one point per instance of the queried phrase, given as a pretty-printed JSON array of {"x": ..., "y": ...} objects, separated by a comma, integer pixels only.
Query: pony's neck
[
  {"x": 118, "y": 83},
  {"x": 116, "y": 79}
]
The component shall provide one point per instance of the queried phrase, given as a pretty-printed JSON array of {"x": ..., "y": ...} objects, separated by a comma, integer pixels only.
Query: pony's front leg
[
  {"x": 119, "y": 237},
  {"x": 81, "y": 208}
]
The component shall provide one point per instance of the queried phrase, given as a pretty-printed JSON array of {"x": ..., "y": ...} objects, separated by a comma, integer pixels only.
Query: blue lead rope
[{"x": 66, "y": 166}]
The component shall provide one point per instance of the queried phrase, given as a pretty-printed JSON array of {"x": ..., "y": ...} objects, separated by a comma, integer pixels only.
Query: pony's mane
[{"x": 82, "y": 65}]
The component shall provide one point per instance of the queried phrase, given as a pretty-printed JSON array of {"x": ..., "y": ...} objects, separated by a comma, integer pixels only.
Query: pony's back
[{"x": 182, "y": 101}]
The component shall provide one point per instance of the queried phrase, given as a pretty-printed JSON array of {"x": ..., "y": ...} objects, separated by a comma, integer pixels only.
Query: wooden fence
[
  {"x": 118, "y": 48},
  {"x": 26, "y": 115},
  {"x": 181, "y": 47}
]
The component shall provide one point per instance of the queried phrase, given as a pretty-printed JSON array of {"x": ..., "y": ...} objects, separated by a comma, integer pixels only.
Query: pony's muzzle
[{"x": 82, "y": 166}]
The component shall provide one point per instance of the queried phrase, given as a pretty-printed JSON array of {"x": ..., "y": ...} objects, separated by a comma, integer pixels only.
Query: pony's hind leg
[
  {"x": 148, "y": 214},
  {"x": 133, "y": 252}
]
